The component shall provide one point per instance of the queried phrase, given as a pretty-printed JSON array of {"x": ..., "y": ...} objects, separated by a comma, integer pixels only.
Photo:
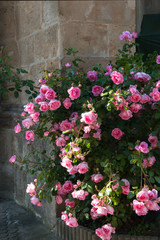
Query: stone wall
[{"x": 36, "y": 33}]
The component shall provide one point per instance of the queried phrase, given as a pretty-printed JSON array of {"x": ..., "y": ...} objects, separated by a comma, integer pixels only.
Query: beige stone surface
[
  {"x": 27, "y": 48},
  {"x": 50, "y": 11}
]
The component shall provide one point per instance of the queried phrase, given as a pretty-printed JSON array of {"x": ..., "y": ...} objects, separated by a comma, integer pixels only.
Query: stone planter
[{"x": 81, "y": 233}]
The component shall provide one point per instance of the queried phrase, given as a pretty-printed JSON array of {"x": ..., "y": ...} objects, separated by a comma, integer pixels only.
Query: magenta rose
[
  {"x": 117, "y": 77},
  {"x": 74, "y": 92},
  {"x": 12, "y": 159},
  {"x": 67, "y": 187},
  {"x": 92, "y": 75},
  {"x": 135, "y": 107},
  {"x": 97, "y": 90},
  {"x": 117, "y": 133},
  {"x": 126, "y": 35},
  {"x": 59, "y": 199},
  {"x": 30, "y": 135},
  {"x": 17, "y": 128}
]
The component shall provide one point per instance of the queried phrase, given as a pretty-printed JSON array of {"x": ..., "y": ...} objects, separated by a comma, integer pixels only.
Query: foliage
[{"x": 103, "y": 128}]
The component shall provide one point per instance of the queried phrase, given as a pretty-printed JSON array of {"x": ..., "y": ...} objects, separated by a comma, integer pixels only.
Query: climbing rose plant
[{"x": 103, "y": 130}]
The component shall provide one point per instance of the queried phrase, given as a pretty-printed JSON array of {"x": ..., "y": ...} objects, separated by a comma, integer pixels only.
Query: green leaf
[
  {"x": 27, "y": 91},
  {"x": 121, "y": 183},
  {"x": 16, "y": 94},
  {"x": 130, "y": 195},
  {"x": 157, "y": 179}
]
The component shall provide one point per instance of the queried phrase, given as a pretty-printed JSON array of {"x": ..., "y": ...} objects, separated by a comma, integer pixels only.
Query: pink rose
[
  {"x": 17, "y": 128},
  {"x": 105, "y": 232},
  {"x": 126, "y": 35},
  {"x": 35, "y": 116},
  {"x": 64, "y": 216},
  {"x": 60, "y": 142},
  {"x": 67, "y": 187},
  {"x": 109, "y": 70},
  {"x": 35, "y": 201},
  {"x": 126, "y": 114},
  {"x": 67, "y": 103},
  {"x": 74, "y": 92},
  {"x": 139, "y": 208},
  {"x": 101, "y": 211},
  {"x": 142, "y": 77},
  {"x": 92, "y": 75},
  {"x": 158, "y": 59},
  {"x": 117, "y": 133},
  {"x": 158, "y": 84},
  {"x": 12, "y": 159},
  {"x": 134, "y": 35},
  {"x": 97, "y": 177},
  {"x": 66, "y": 162},
  {"x": 27, "y": 123},
  {"x": 31, "y": 189},
  {"x": 65, "y": 125},
  {"x": 126, "y": 188},
  {"x": 72, "y": 222},
  {"x": 97, "y": 90},
  {"x": 30, "y": 135},
  {"x": 83, "y": 167},
  {"x": 59, "y": 199},
  {"x": 136, "y": 97},
  {"x": 44, "y": 88},
  {"x": 153, "y": 139},
  {"x": 152, "y": 206},
  {"x": 117, "y": 77},
  {"x": 143, "y": 147},
  {"x": 39, "y": 98},
  {"x": 68, "y": 203},
  {"x": 143, "y": 195},
  {"x": 80, "y": 194},
  {"x": 50, "y": 94},
  {"x": 135, "y": 107},
  {"x": 54, "y": 104},
  {"x": 89, "y": 117},
  {"x": 72, "y": 170},
  {"x": 155, "y": 94},
  {"x": 153, "y": 194},
  {"x": 144, "y": 98},
  {"x": 29, "y": 107},
  {"x": 44, "y": 106}
]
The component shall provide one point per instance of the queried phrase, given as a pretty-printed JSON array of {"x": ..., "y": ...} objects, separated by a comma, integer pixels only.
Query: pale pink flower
[
  {"x": 46, "y": 133},
  {"x": 12, "y": 159},
  {"x": 74, "y": 93},
  {"x": 35, "y": 116},
  {"x": 87, "y": 129},
  {"x": 151, "y": 205},
  {"x": 126, "y": 35},
  {"x": 80, "y": 194},
  {"x": 153, "y": 194},
  {"x": 139, "y": 208},
  {"x": 142, "y": 77},
  {"x": 109, "y": 70},
  {"x": 105, "y": 232},
  {"x": 92, "y": 75},
  {"x": 44, "y": 88},
  {"x": 27, "y": 123},
  {"x": 117, "y": 77},
  {"x": 126, "y": 188},
  {"x": 145, "y": 98},
  {"x": 29, "y": 107},
  {"x": 117, "y": 133},
  {"x": 66, "y": 162},
  {"x": 97, "y": 90},
  {"x": 158, "y": 84},
  {"x": 59, "y": 199},
  {"x": 72, "y": 170},
  {"x": 153, "y": 139},
  {"x": 17, "y": 128},
  {"x": 50, "y": 94},
  {"x": 143, "y": 147},
  {"x": 44, "y": 106},
  {"x": 35, "y": 201},
  {"x": 97, "y": 134},
  {"x": 64, "y": 216},
  {"x": 67, "y": 103},
  {"x": 68, "y": 64},
  {"x": 23, "y": 114},
  {"x": 89, "y": 117},
  {"x": 54, "y": 104},
  {"x": 72, "y": 222},
  {"x": 30, "y": 135},
  {"x": 60, "y": 142},
  {"x": 97, "y": 177},
  {"x": 143, "y": 195},
  {"x": 31, "y": 189},
  {"x": 67, "y": 187},
  {"x": 83, "y": 167},
  {"x": 158, "y": 59},
  {"x": 126, "y": 114},
  {"x": 40, "y": 98}
]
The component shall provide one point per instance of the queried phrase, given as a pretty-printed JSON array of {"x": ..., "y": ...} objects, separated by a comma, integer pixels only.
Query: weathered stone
[
  {"x": 26, "y": 47},
  {"x": 46, "y": 43},
  {"x": 50, "y": 12}
]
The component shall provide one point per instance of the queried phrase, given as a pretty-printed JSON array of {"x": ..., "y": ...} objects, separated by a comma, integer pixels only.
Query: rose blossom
[
  {"x": 54, "y": 104},
  {"x": 50, "y": 94},
  {"x": 68, "y": 64},
  {"x": 117, "y": 77},
  {"x": 17, "y": 128},
  {"x": 126, "y": 35},
  {"x": 80, "y": 194},
  {"x": 39, "y": 98},
  {"x": 143, "y": 195},
  {"x": 158, "y": 84},
  {"x": 152, "y": 206},
  {"x": 96, "y": 178},
  {"x": 35, "y": 116},
  {"x": 89, "y": 117},
  {"x": 74, "y": 92},
  {"x": 143, "y": 147},
  {"x": 92, "y": 75},
  {"x": 105, "y": 232},
  {"x": 60, "y": 142},
  {"x": 29, "y": 107},
  {"x": 109, "y": 70},
  {"x": 155, "y": 94},
  {"x": 134, "y": 35},
  {"x": 144, "y": 98},
  {"x": 65, "y": 125},
  {"x": 158, "y": 59},
  {"x": 117, "y": 133},
  {"x": 139, "y": 208},
  {"x": 142, "y": 77},
  {"x": 126, "y": 188},
  {"x": 83, "y": 167},
  {"x": 72, "y": 170},
  {"x": 12, "y": 159},
  {"x": 97, "y": 90},
  {"x": 31, "y": 189},
  {"x": 153, "y": 139},
  {"x": 44, "y": 106},
  {"x": 67, "y": 103},
  {"x": 68, "y": 203},
  {"x": 30, "y": 135},
  {"x": 44, "y": 88},
  {"x": 35, "y": 201},
  {"x": 153, "y": 194},
  {"x": 66, "y": 162},
  {"x": 59, "y": 199},
  {"x": 72, "y": 222},
  {"x": 27, "y": 123},
  {"x": 126, "y": 114},
  {"x": 135, "y": 107},
  {"x": 136, "y": 97},
  {"x": 67, "y": 187}
]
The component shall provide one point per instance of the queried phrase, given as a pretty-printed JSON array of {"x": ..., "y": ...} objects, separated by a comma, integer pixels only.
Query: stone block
[
  {"x": 104, "y": 12},
  {"x": 26, "y": 47},
  {"x": 46, "y": 43},
  {"x": 28, "y": 17},
  {"x": 52, "y": 64},
  {"x": 91, "y": 40},
  {"x": 50, "y": 12}
]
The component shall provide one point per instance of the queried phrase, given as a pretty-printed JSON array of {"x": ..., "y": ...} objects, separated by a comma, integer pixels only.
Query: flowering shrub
[{"x": 104, "y": 130}]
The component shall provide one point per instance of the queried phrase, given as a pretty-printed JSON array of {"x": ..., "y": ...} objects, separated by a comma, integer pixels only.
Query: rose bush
[{"x": 104, "y": 130}]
